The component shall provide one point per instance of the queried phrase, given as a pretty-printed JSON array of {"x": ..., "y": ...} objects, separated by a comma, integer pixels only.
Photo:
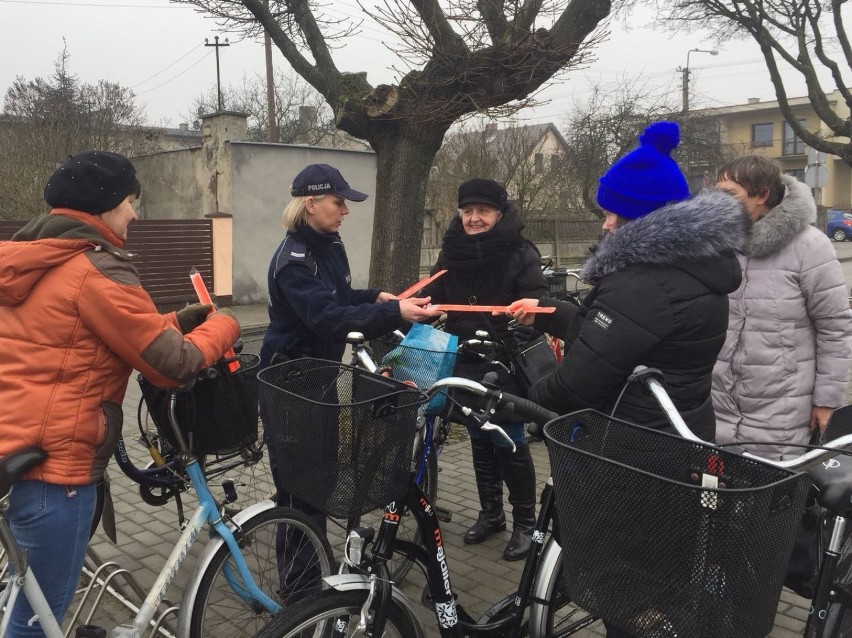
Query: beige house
[{"x": 759, "y": 127}]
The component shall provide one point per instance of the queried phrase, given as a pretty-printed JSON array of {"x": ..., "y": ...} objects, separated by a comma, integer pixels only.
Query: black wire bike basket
[
  {"x": 217, "y": 415},
  {"x": 653, "y": 547},
  {"x": 342, "y": 437}
]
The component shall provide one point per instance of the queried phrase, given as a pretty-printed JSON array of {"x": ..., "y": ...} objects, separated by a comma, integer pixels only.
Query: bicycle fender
[
  {"x": 543, "y": 587},
  {"x": 212, "y": 546},
  {"x": 352, "y": 582}
]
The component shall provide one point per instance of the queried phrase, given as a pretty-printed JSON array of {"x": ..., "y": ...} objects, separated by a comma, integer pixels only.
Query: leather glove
[
  {"x": 192, "y": 316},
  {"x": 229, "y": 313}
]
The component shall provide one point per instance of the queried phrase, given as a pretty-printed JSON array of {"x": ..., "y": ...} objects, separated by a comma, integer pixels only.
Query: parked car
[{"x": 838, "y": 225}]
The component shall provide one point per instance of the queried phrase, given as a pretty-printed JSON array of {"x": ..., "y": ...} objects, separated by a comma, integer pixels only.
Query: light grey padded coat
[{"x": 789, "y": 340}]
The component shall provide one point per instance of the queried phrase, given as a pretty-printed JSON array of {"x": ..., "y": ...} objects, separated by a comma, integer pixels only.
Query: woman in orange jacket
[{"x": 74, "y": 323}]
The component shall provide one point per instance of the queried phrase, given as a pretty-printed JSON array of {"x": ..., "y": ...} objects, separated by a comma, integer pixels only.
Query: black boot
[
  {"x": 490, "y": 487},
  {"x": 519, "y": 474}
]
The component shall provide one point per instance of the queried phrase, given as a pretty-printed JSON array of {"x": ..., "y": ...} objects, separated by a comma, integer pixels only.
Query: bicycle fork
[{"x": 824, "y": 594}]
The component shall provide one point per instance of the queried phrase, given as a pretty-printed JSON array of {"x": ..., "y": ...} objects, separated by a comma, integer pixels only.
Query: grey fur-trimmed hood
[
  {"x": 708, "y": 225},
  {"x": 778, "y": 227}
]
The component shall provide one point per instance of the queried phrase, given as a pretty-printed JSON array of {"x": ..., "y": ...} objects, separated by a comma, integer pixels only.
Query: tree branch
[
  {"x": 526, "y": 16},
  {"x": 323, "y": 75},
  {"x": 445, "y": 40},
  {"x": 494, "y": 19},
  {"x": 813, "y": 20}
]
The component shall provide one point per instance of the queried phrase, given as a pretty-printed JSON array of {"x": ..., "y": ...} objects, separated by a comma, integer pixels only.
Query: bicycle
[
  {"x": 239, "y": 462},
  {"x": 436, "y": 422},
  {"x": 367, "y": 593},
  {"x": 715, "y": 566},
  {"x": 557, "y": 284},
  {"x": 736, "y": 553},
  {"x": 236, "y": 585},
  {"x": 368, "y": 358}
]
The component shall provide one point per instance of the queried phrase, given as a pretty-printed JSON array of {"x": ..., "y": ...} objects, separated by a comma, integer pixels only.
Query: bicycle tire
[
  {"x": 218, "y": 612},
  {"x": 334, "y": 606}
]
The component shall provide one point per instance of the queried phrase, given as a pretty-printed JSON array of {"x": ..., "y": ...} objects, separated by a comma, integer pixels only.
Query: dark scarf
[{"x": 479, "y": 264}]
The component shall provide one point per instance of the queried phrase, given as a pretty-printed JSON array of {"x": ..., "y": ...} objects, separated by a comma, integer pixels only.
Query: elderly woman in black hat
[
  {"x": 489, "y": 262},
  {"x": 74, "y": 322}
]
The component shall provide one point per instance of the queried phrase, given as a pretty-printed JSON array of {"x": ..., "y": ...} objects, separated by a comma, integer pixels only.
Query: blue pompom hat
[{"x": 647, "y": 178}]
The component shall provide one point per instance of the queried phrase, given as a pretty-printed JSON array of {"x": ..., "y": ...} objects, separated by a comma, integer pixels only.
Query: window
[
  {"x": 761, "y": 134},
  {"x": 539, "y": 163},
  {"x": 792, "y": 144},
  {"x": 798, "y": 173}
]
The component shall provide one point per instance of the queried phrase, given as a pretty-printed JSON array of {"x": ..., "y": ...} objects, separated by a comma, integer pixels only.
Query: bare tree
[
  {"x": 511, "y": 155},
  {"x": 607, "y": 125},
  {"x": 463, "y": 56},
  {"x": 807, "y": 35},
  {"x": 301, "y": 114},
  {"x": 46, "y": 119}
]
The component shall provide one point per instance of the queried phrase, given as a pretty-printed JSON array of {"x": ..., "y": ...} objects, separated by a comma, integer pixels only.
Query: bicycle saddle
[
  {"x": 13, "y": 466},
  {"x": 833, "y": 479}
]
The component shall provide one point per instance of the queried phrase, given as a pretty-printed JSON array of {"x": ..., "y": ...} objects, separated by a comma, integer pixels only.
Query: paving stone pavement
[{"x": 480, "y": 575}]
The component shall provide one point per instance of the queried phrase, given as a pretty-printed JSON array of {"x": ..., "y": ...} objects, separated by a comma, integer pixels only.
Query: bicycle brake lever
[{"x": 491, "y": 427}]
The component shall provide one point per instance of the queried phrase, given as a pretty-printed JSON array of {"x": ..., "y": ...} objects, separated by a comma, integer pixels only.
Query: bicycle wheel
[
  {"x": 244, "y": 472},
  {"x": 219, "y": 612},
  {"x": 314, "y": 617}
]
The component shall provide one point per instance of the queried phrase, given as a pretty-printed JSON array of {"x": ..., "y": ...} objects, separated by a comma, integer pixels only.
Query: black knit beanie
[{"x": 91, "y": 182}]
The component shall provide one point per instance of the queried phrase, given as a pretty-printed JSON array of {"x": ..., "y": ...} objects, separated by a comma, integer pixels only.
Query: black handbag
[{"x": 533, "y": 360}]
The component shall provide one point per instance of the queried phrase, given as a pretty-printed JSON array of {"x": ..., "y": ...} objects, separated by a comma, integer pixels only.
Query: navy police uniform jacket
[{"x": 312, "y": 306}]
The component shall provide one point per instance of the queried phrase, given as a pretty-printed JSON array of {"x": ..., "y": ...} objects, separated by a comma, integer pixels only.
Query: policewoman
[{"x": 312, "y": 305}]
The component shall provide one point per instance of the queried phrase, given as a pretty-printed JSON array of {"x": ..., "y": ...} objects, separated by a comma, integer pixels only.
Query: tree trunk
[{"x": 404, "y": 159}]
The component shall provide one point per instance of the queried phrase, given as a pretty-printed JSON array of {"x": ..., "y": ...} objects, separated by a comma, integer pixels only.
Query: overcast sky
[{"x": 157, "y": 49}]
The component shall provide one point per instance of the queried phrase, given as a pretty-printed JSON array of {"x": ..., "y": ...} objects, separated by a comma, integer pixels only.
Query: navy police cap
[{"x": 322, "y": 179}]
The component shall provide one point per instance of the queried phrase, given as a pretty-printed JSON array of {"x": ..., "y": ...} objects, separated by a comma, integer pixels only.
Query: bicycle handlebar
[
  {"x": 523, "y": 407},
  {"x": 651, "y": 378}
]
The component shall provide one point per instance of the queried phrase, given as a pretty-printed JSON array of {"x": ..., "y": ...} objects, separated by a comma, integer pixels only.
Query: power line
[
  {"x": 170, "y": 65},
  {"x": 196, "y": 63}
]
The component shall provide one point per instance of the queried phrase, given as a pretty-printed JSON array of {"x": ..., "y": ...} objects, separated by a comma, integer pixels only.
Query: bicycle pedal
[{"x": 229, "y": 487}]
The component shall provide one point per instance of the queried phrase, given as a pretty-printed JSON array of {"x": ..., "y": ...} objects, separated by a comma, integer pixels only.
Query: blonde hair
[{"x": 296, "y": 211}]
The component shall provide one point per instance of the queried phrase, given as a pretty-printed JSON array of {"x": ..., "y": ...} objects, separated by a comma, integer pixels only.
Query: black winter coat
[
  {"x": 312, "y": 306},
  {"x": 487, "y": 269},
  {"x": 660, "y": 299}
]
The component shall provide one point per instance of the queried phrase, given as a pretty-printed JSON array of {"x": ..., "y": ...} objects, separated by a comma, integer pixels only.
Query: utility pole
[
  {"x": 685, "y": 78},
  {"x": 271, "y": 125},
  {"x": 217, "y": 44}
]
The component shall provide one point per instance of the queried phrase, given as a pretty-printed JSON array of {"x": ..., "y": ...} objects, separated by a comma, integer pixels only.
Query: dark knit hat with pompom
[
  {"x": 647, "y": 178},
  {"x": 92, "y": 182}
]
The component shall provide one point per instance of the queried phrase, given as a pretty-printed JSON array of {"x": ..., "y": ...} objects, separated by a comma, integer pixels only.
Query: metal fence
[{"x": 164, "y": 252}]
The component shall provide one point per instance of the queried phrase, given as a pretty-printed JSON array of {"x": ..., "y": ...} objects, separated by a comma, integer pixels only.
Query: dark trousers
[{"x": 298, "y": 568}]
